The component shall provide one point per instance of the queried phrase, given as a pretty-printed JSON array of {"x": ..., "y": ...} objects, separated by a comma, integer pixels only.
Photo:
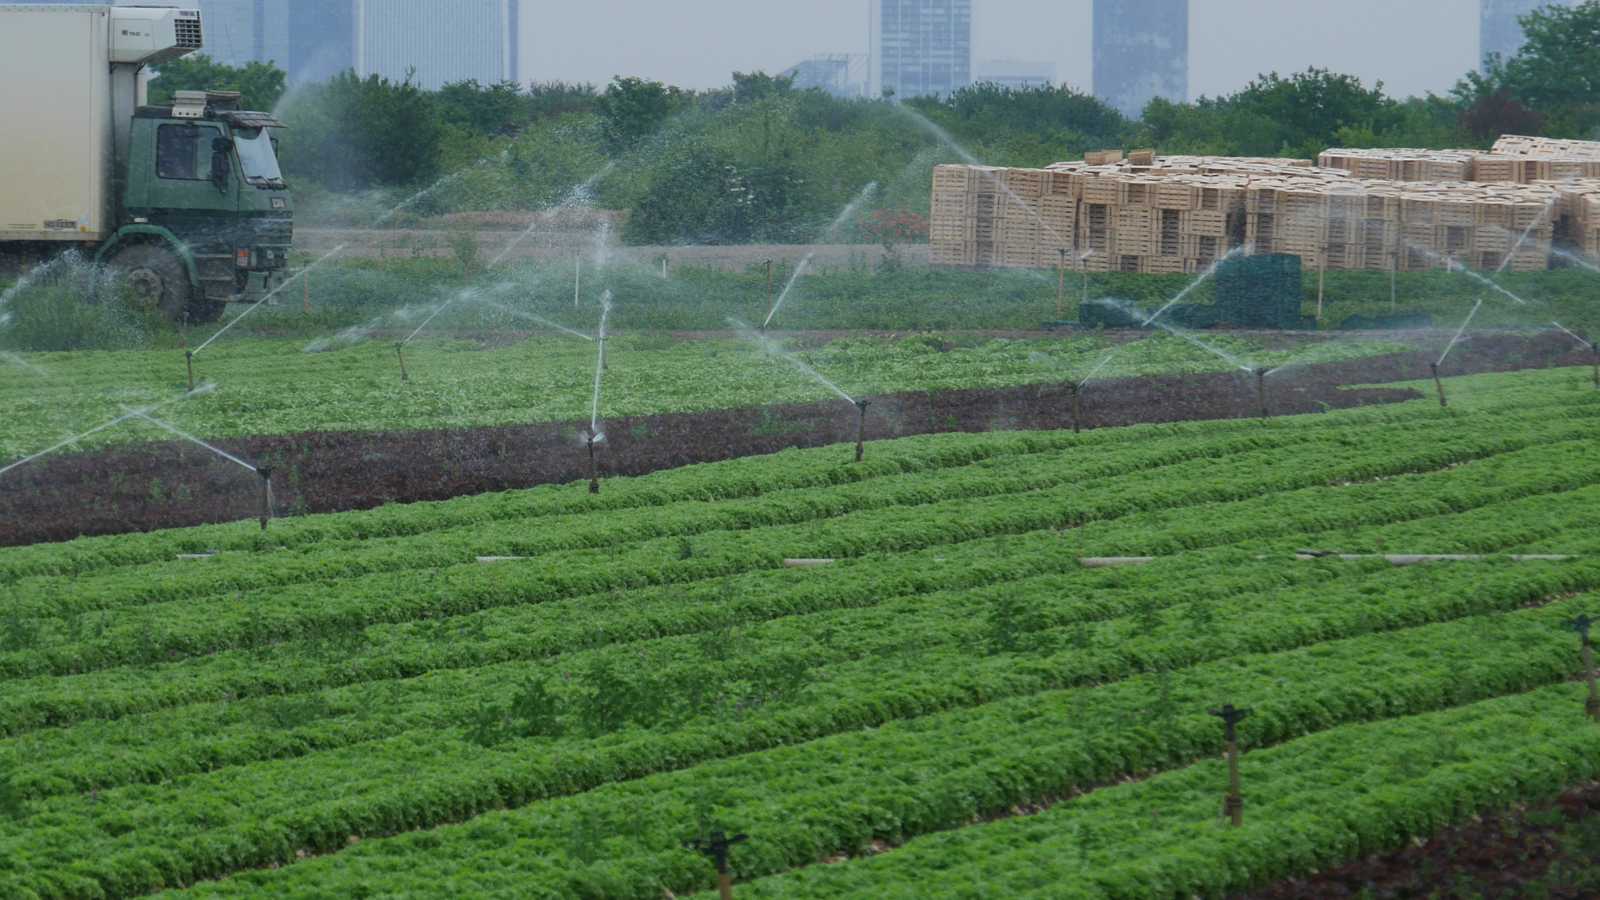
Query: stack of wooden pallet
[
  {"x": 1401, "y": 165},
  {"x": 1547, "y": 159},
  {"x": 1179, "y": 214},
  {"x": 1513, "y": 159},
  {"x": 1581, "y": 215}
]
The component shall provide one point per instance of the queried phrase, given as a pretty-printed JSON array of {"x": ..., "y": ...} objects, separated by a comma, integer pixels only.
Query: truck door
[{"x": 196, "y": 187}]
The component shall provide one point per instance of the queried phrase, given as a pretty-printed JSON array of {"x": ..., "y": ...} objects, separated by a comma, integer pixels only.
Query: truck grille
[
  {"x": 188, "y": 29},
  {"x": 274, "y": 230}
]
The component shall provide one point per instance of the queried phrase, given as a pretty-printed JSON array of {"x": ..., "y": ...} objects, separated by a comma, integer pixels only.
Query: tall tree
[
  {"x": 260, "y": 85},
  {"x": 632, "y": 109}
]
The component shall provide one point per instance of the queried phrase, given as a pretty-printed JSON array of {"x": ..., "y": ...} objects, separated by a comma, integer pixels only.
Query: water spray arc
[
  {"x": 179, "y": 433},
  {"x": 766, "y": 345},
  {"x": 1594, "y": 348},
  {"x": 21, "y": 363},
  {"x": 1523, "y": 238},
  {"x": 201, "y": 391},
  {"x": 190, "y": 354},
  {"x": 844, "y": 216},
  {"x": 537, "y": 320},
  {"x": 1151, "y": 319},
  {"x": 1456, "y": 339},
  {"x": 264, "y": 473},
  {"x": 943, "y": 137}
]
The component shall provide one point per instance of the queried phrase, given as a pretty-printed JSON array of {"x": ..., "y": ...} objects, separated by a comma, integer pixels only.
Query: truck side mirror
[{"x": 220, "y": 167}]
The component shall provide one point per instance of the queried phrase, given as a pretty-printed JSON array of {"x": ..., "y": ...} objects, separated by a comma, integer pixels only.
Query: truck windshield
[{"x": 257, "y": 158}]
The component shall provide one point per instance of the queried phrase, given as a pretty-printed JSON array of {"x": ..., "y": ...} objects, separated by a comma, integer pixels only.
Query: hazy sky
[{"x": 1411, "y": 45}]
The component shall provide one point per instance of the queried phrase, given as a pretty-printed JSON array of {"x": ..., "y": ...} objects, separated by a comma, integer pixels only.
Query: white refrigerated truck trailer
[{"x": 185, "y": 201}]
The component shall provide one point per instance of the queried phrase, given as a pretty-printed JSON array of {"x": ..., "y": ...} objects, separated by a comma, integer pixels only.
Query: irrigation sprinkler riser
[
  {"x": 1233, "y": 803},
  {"x": 188, "y": 362},
  {"x": 594, "y": 469},
  {"x": 861, "y": 429},
  {"x": 1261, "y": 392},
  {"x": 266, "y": 494},
  {"x": 1438, "y": 385},
  {"x": 400, "y": 353},
  {"x": 1075, "y": 388}
]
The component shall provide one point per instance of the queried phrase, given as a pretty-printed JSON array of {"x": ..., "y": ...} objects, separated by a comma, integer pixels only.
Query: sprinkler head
[
  {"x": 862, "y": 404},
  {"x": 1231, "y": 716}
]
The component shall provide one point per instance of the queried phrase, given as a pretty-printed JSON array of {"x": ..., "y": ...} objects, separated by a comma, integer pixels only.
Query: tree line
[{"x": 758, "y": 160}]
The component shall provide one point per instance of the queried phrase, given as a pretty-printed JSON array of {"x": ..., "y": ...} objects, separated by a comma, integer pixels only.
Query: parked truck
[{"x": 185, "y": 203}]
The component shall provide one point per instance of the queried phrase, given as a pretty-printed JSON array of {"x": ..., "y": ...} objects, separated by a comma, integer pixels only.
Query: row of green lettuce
[
  {"x": 806, "y": 803},
  {"x": 207, "y": 824},
  {"x": 182, "y": 623},
  {"x": 1524, "y": 391},
  {"x": 278, "y": 388},
  {"x": 705, "y": 661}
]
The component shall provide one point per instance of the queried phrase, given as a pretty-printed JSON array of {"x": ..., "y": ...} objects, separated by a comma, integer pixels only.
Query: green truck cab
[{"x": 206, "y": 216}]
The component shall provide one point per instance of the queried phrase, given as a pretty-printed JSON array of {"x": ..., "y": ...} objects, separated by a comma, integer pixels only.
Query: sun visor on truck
[{"x": 247, "y": 119}]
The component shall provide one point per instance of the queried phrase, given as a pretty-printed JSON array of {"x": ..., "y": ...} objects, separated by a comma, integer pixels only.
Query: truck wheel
[{"x": 155, "y": 280}]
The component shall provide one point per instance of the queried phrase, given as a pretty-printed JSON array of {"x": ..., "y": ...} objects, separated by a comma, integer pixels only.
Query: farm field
[
  {"x": 547, "y": 692},
  {"x": 277, "y": 387}
]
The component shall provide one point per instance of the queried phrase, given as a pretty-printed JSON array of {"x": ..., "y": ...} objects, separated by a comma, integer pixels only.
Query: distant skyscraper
[
  {"x": 1498, "y": 28},
  {"x": 1141, "y": 51},
  {"x": 920, "y": 47},
  {"x": 239, "y": 32},
  {"x": 438, "y": 43},
  {"x": 1016, "y": 73},
  {"x": 322, "y": 39},
  {"x": 840, "y": 74}
]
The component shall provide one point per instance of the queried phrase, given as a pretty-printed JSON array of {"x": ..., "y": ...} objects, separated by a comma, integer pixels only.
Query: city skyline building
[
  {"x": 435, "y": 44},
  {"x": 839, "y": 74},
  {"x": 1499, "y": 31},
  {"x": 1016, "y": 73},
  {"x": 919, "y": 48},
  {"x": 1141, "y": 51}
]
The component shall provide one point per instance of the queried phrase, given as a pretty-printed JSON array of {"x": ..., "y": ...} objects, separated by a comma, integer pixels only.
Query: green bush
[{"x": 64, "y": 313}]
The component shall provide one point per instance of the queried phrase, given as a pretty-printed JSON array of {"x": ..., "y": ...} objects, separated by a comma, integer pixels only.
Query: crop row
[
  {"x": 119, "y": 691},
  {"x": 343, "y": 560},
  {"x": 1091, "y": 473},
  {"x": 937, "y": 638},
  {"x": 248, "y": 617},
  {"x": 1310, "y": 804},
  {"x": 231, "y": 803},
  {"x": 839, "y": 794},
  {"x": 732, "y": 480}
]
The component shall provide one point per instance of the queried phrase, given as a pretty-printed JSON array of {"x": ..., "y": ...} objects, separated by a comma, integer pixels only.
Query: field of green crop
[
  {"x": 361, "y": 705},
  {"x": 268, "y": 387}
]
